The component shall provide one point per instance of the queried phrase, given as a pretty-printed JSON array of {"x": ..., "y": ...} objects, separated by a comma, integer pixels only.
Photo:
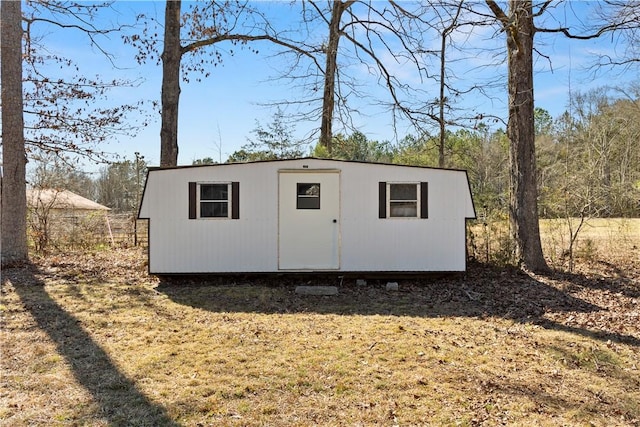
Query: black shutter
[
  {"x": 235, "y": 200},
  {"x": 424, "y": 200},
  {"x": 192, "y": 200},
  {"x": 382, "y": 200}
]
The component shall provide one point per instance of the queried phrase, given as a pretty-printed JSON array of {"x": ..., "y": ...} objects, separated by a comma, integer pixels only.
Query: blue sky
[{"x": 219, "y": 113}]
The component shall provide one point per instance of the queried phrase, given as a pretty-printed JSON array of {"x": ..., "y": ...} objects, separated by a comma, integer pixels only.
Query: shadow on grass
[
  {"x": 118, "y": 399},
  {"x": 616, "y": 280},
  {"x": 481, "y": 292}
]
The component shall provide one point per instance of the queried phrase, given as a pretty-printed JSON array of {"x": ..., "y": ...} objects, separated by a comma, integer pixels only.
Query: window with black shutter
[
  {"x": 403, "y": 200},
  {"x": 214, "y": 200}
]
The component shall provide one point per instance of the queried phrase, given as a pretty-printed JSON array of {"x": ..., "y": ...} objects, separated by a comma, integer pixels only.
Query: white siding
[
  {"x": 250, "y": 244},
  {"x": 404, "y": 244},
  {"x": 179, "y": 244}
]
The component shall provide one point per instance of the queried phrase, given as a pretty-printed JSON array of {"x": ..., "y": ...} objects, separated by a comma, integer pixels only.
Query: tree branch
[
  {"x": 498, "y": 12},
  {"x": 246, "y": 38}
]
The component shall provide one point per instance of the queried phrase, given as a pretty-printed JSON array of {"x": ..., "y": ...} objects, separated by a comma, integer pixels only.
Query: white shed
[{"x": 306, "y": 215}]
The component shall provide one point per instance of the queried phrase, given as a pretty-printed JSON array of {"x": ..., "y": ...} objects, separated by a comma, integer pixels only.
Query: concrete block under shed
[
  {"x": 317, "y": 290},
  {"x": 392, "y": 286},
  {"x": 361, "y": 282}
]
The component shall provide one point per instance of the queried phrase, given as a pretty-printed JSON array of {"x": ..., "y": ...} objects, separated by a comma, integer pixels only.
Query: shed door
[{"x": 309, "y": 220}]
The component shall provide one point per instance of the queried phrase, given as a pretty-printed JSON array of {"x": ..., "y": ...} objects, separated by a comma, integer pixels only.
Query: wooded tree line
[
  {"x": 588, "y": 161},
  {"x": 588, "y": 158},
  {"x": 354, "y": 33}
]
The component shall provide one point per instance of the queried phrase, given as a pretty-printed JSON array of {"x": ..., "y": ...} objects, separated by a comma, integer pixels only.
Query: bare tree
[
  {"x": 46, "y": 113},
  {"x": 604, "y": 132},
  {"x": 71, "y": 115},
  {"x": 380, "y": 37},
  {"x": 376, "y": 36},
  {"x": 51, "y": 171},
  {"x": 42, "y": 202},
  {"x": 622, "y": 18},
  {"x": 444, "y": 19},
  {"x": 188, "y": 34},
  {"x": 171, "y": 57},
  {"x": 519, "y": 29},
  {"x": 331, "y": 68},
  {"x": 118, "y": 185},
  {"x": 367, "y": 35},
  {"x": 14, "y": 199},
  {"x": 518, "y": 25},
  {"x": 444, "y": 35}
]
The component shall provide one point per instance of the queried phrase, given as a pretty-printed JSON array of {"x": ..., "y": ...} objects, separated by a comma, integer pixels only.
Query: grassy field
[
  {"x": 598, "y": 238},
  {"x": 92, "y": 340},
  {"x": 615, "y": 240}
]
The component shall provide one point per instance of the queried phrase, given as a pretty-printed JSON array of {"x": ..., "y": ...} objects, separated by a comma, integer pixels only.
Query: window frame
[
  {"x": 315, "y": 198},
  {"x": 199, "y": 200},
  {"x": 390, "y": 200},
  {"x": 233, "y": 199},
  {"x": 385, "y": 200}
]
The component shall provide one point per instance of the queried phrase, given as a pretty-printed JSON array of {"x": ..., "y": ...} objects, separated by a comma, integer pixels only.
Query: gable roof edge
[{"x": 162, "y": 168}]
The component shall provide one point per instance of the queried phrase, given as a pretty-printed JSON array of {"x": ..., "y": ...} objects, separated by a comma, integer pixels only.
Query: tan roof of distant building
[{"x": 61, "y": 199}]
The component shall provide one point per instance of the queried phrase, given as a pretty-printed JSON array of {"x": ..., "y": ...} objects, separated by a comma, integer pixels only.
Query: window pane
[
  {"x": 214, "y": 191},
  {"x": 308, "y": 203},
  {"x": 308, "y": 196},
  {"x": 403, "y": 209},
  {"x": 308, "y": 189},
  {"x": 403, "y": 192},
  {"x": 214, "y": 209}
]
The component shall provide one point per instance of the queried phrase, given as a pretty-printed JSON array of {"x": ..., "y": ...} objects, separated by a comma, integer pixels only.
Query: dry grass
[
  {"x": 616, "y": 240},
  {"x": 92, "y": 340},
  {"x": 611, "y": 238}
]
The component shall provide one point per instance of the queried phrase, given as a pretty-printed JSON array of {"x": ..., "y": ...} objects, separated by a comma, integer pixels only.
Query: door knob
[{"x": 335, "y": 220}]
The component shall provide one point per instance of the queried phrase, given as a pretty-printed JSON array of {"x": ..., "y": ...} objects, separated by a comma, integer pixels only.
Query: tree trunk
[
  {"x": 171, "y": 57},
  {"x": 14, "y": 199},
  {"x": 441, "y": 102},
  {"x": 521, "y": 132},
  {"x": 328, "y": 97}
]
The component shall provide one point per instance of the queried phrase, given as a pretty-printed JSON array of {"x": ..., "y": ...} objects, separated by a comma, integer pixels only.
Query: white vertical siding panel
[
  {"x": 214, "y": 245},
  {"x": 398, "y": 244}
]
